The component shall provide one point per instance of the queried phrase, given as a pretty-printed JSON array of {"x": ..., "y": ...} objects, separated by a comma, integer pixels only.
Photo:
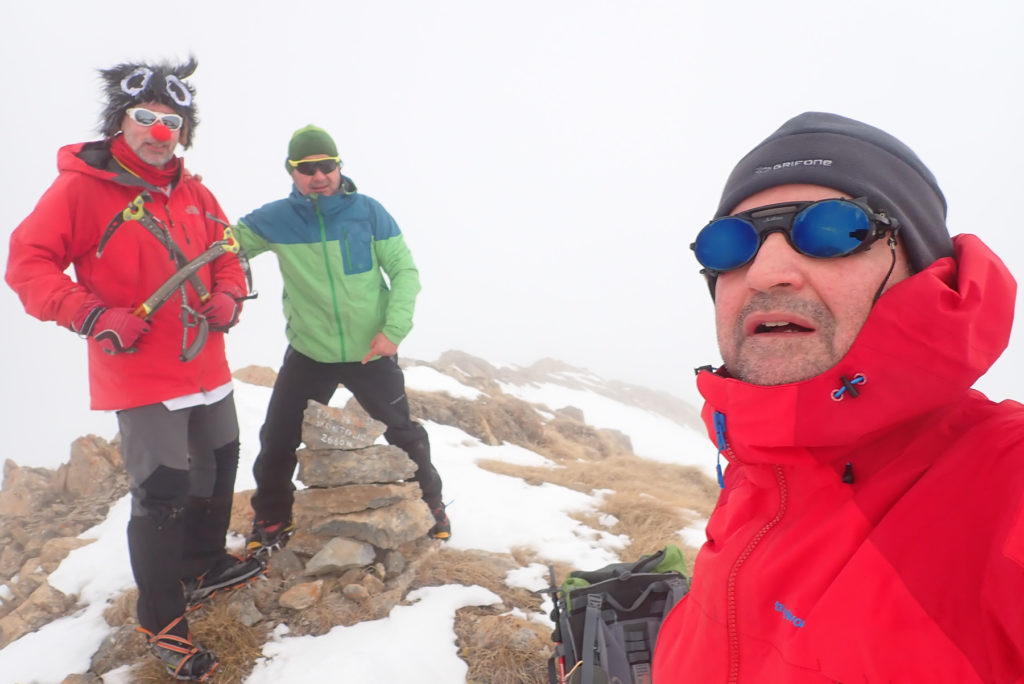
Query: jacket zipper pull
[{"x": 719, "y": 422}]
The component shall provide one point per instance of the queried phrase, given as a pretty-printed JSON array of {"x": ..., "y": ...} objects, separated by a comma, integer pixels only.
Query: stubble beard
[
  {"x": 781, "y": 358},
  {"x": 158, "y": 160}
]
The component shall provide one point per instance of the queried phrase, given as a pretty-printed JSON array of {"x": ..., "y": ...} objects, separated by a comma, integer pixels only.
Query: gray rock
[
  {"x": 385, "y": 528},
  {"x": 120, "y": 646},
  {"x": 355, "y": 592},
  {"x": 243, "y": 609},
  {"x": 339, "y": 555},
  {"x": 286, "y": 564},
  {"x": 326, "y": 427},
  {"x": 394, "y": 562},
  {"x": 312, "y": 504},
  {"x": 264, "y": 594},
  {"x": 302, "y": 596},
  {"x": 572, "y": 413},
  {"x": 337, "y": 467}
]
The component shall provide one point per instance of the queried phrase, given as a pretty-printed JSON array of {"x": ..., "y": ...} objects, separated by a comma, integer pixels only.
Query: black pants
[
  {"x": 378, "y": 386},
  {"x": 182, "y": 468}
]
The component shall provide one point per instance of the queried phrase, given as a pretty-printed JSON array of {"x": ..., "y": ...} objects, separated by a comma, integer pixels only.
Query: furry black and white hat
[{"x": 133, "y": 83}]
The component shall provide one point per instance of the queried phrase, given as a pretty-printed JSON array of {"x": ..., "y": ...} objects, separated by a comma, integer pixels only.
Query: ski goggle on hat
[{"x": 823, "y": 230}]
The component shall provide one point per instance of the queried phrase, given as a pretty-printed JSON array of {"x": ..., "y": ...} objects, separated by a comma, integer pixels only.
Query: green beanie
[{"x": 308, "y": 141}]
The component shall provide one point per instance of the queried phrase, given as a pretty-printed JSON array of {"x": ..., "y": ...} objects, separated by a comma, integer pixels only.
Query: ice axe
[{"x": 189, "y": 317}]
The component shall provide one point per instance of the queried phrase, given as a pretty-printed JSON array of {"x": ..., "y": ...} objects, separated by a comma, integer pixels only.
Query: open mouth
[{"x": 780, "y": 327}]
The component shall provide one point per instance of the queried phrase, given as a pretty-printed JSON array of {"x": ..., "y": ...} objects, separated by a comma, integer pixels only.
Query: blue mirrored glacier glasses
[{"x": 823, "y": 229}]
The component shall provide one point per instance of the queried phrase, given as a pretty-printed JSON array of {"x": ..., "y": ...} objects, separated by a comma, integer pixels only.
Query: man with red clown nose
[{"x": 157, "y": 283}]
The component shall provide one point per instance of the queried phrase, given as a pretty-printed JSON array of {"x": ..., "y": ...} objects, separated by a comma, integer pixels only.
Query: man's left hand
[
  {"x": 221, "y": 310},
  {"x": 380, "y": 345}
]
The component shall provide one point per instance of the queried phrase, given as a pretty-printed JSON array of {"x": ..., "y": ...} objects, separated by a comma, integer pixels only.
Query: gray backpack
[{"x": 607, "y": 620}]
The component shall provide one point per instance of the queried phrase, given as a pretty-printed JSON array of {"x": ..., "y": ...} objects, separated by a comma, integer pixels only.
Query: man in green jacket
[{"x": 344, "y": 324}]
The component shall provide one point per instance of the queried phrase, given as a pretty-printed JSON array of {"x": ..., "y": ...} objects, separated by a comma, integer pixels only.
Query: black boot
[
  {"x": 267, "y": 537},
  {"x": 442, "y": 528},
  {"x": 184, "y": 658},
  {"x": 229, "y": 572}
]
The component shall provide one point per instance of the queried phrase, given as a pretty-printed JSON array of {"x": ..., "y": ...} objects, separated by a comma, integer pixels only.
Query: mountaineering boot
[
  {"x": 267, "y": 537},
  {"x": 227, "y": 573},
  {"x": 184, "y": 659},
  {"x": 442, "y": 528}
]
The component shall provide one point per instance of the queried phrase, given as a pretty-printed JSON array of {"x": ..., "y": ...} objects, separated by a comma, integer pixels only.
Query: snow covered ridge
[{"x": 539, "y": 471}]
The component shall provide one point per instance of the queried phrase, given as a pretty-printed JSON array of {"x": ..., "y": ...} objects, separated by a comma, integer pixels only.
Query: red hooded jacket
[
  {"x": 911, "y": 570},
  {"x": 66, "y": 227}
]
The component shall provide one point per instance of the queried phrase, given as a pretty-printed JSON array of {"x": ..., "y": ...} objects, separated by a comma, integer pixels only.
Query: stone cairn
[{"x": 361, "y": 520}]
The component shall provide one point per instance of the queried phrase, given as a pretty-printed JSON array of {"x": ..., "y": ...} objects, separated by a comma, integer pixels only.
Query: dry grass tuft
[
  {"x": 681, "y": 486},
  {"x": 649, "y": 523},
  {"x": 121, "y": 610},
  {"x": 652, "y": 501},
  {"x": 480, "y": 568},
  {"x": 502, "y": 649}
]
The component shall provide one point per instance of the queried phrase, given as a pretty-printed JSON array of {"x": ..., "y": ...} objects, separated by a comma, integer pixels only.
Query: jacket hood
[
  {"x": 91, "y": 158},
  {"x": 926, "y": 341}
]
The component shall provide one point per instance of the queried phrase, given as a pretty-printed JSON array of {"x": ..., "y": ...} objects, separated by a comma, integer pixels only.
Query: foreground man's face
[{"x": 786, "y": 317}]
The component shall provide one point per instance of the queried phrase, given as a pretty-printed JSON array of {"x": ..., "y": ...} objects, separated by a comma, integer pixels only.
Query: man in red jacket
[
  {"x": 127, "y": 215},
  {"x": 871, "y": 523}
]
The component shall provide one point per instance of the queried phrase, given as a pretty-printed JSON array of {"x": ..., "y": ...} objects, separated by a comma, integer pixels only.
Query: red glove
[
  {"x": 221, "y": 311},
  {"x": 115, "y": 329},
  {"x": 118, "y": 329}
]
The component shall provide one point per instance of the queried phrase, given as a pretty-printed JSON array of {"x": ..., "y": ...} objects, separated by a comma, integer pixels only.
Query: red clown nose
[{"x": 160, "y": 132}]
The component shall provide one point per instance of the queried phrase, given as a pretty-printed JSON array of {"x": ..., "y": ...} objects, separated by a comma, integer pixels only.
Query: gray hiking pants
[{"x": 182, "y": 468}]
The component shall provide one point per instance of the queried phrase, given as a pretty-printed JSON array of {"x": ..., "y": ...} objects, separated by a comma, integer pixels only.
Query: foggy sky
[{"x": 548, "y": 162}]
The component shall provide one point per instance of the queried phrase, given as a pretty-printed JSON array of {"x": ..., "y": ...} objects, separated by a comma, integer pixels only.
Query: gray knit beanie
[{"x": 858, "y": 159}]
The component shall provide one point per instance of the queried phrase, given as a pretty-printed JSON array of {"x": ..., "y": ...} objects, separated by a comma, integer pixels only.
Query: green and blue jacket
[{"x": 334, "y": 253}]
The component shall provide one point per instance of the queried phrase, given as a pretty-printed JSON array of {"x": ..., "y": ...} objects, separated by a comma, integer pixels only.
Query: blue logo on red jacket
[{"x": 797, "y": 622}]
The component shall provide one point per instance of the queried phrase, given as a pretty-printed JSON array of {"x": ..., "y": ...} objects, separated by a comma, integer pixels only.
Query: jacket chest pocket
[{"x": 357, "y": 249}]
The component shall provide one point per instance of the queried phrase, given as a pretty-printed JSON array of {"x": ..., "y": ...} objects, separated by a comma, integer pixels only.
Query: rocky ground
[{"x": 311, "y": 585}]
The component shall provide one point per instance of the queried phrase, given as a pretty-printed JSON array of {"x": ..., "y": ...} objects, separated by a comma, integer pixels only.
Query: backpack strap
[
  {"x": 678, "y": 586},
  {"x": 589, "y": 646}
]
